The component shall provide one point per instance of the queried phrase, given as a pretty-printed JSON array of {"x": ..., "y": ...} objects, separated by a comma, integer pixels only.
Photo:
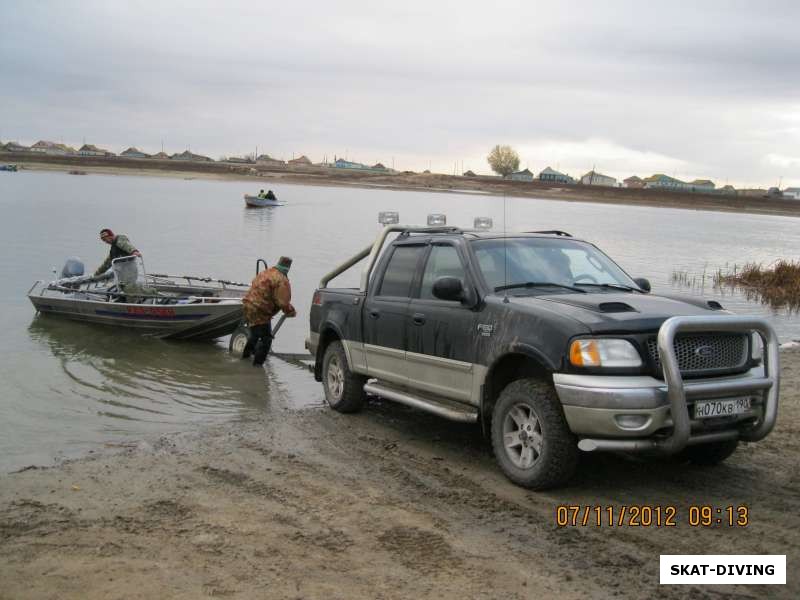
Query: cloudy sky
[{"x": 692, "y": 89}]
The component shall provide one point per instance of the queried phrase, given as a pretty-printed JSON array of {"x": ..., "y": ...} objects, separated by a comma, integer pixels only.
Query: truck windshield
[{"x": 561, "y": 262}]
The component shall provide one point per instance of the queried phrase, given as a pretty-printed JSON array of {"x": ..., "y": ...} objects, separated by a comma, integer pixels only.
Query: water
[{"x": 72, "y": 388}]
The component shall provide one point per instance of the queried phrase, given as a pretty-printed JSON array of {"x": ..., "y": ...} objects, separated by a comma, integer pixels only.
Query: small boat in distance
[
  {"x": 76, "y": 172},
  {"x": 258, "y": 201},
  {"x": 12, "y": 168}
]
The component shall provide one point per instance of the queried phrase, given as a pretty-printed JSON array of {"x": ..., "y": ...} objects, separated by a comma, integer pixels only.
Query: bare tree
[{"x": 503, "y": 159}]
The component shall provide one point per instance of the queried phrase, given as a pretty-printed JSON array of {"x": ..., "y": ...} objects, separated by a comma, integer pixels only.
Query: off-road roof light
[
  {"x": 483, "y": 223},
  {"x": 388, "y": 217},
  {"x": 437, "y": 219}
]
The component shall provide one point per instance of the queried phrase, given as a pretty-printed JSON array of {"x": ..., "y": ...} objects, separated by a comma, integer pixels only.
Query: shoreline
[
  {"x": 290, "y": 505},
  {"x": 437, "y": 183}
]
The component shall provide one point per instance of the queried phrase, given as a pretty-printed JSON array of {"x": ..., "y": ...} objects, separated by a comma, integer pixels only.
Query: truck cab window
[
  {"x": 442, "y": 262},
  {"x": 400, "y": 271}
]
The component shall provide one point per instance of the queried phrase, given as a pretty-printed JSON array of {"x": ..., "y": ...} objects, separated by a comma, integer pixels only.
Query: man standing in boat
[
  {"x": 120, "y": 246},
  {"x": 269, "y": 293}
]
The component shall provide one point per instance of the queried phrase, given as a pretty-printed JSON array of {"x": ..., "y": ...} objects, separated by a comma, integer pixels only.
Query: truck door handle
[
  {"x": 418, "y": 318},
  {"x": 374, "y": 314}
]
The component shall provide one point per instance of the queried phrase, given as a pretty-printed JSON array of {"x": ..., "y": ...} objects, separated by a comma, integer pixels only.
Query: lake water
[{"x": 72, "y": 388}]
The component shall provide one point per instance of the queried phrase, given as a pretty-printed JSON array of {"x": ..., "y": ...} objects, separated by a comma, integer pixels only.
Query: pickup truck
[{"x": 548, "y": 344}]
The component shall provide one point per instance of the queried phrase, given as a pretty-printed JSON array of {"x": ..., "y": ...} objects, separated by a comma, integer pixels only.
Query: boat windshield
[{"x": 547, "y": 265}]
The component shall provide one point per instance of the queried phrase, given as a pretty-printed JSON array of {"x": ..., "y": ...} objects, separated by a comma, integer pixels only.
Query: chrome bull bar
[{"x": 678, "y": 391}]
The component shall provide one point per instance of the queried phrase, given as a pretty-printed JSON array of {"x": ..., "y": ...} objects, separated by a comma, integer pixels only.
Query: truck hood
[{"x": 624, "y": 312}]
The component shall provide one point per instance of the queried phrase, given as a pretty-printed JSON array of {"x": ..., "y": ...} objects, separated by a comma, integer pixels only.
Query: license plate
[{"x": 723, "y": 407}]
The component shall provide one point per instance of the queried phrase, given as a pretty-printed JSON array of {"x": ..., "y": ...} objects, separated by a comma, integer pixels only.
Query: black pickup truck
[{"x": 548, "y": 344}]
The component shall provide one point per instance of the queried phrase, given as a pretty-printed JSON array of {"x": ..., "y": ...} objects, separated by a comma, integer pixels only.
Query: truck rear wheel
[
  {"x": 344, "y": 390},
  {"x": 531, "y": 439},
  {"x": 709, "y": 454}
]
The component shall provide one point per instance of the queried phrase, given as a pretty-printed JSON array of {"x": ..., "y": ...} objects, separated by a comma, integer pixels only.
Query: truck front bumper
[{"x": 645, "y": 413}]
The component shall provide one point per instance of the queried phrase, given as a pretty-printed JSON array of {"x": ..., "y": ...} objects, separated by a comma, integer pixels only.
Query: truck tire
[
  {"x": 530, "y": 437},
  {"x": 344, "y": 390},
  {"x": 709, "y": 454}
]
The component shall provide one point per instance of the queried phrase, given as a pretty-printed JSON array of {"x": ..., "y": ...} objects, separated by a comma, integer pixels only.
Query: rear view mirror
[
  {"x": 642, "y": 283},
  {"x": 448, "y": 288}
]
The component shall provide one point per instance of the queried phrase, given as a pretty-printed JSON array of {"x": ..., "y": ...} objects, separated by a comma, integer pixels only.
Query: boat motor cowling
[{"x": 73, "y": 267}]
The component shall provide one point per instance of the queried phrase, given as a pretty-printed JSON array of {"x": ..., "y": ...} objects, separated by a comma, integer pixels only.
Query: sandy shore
[
  {"x": 388, "y": 503},
  {"x": 430, "y": 182}
]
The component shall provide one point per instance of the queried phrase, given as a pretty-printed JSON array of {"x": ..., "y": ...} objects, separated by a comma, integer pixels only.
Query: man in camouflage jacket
[
  {"x": 120, "y": 246},
  {"x": 269, "y": 293}
]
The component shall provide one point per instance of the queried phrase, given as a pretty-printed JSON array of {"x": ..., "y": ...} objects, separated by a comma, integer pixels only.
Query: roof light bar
[{"x": 437, "y": 219}]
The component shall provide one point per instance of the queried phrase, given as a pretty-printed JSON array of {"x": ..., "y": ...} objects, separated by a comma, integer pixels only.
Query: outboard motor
[{"x": 72, "y": 268}]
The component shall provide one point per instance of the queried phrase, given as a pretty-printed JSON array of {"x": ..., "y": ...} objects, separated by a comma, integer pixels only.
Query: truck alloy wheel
[
  {"x": 522, "y": 436},
  {"x": 344, "y": 390},
  {"x": 335, "y": 379},
  {"x": 531, "y": 439}
]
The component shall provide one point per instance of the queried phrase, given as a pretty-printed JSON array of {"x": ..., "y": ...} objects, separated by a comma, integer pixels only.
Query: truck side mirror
[
  {"x": 642, "y": 283},
  {"x": 448, "y": 288}
]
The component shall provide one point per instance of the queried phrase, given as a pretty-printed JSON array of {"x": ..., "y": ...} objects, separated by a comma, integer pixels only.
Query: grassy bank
[{"x": 777, "y": 284}]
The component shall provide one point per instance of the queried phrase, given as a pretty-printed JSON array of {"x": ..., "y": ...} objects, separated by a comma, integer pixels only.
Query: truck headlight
[{"x": 604, "y": 353}]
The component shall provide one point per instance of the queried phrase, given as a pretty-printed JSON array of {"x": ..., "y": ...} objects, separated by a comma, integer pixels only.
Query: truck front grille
[{"x": 701, "y": 352}]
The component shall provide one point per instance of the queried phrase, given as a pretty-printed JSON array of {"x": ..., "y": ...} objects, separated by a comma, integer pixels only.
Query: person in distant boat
[
  {"x": 269, "y": 293},
  {"x": 120, "y": 246},
  {"x": 270, "y": 196},
  {"x": 261, "y": 194}
]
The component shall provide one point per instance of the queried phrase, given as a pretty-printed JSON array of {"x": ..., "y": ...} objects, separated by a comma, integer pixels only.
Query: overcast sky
[{"x": 691, "y": 89}]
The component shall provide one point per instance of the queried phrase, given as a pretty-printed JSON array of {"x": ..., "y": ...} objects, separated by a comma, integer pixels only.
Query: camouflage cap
[{"x": 284, "y": 263}]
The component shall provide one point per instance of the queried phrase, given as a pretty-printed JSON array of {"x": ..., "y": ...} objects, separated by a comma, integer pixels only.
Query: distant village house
[
  {"x": 186, "y": 155},
  {"x": 552, "y": 176},
  {"x": 524, "y": 175},
  {"x": 15, "y": 147},
  {"x": 792, "y": 193},
  {"x": 92, "y": 150},
  {"x": 52, "y": 148},
  {"x": 595, "y": 178},
  {"x": 664, "y": 182},
  {"x": 302, "y": 161},
  {"x": 633, "y": 182},
  {"x": 267, "y": 161},
  {"x": 133, "y": 152}
]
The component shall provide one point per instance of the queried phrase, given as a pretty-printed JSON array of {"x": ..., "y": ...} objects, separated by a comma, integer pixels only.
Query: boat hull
[
  {"x": 201, "y": 321},
  {"x": 255, "y": 201}
]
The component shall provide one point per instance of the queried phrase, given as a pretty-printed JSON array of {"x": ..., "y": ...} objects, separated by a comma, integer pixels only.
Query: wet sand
[
  {"x": 387, "y": 503},
  {"x": 258, "y": 177}
]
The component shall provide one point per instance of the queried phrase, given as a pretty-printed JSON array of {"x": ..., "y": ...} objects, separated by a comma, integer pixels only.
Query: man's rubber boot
[{"x": 262, "y": 350}]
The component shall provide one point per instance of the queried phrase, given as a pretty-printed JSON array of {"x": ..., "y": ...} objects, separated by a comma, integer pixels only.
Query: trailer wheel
[
  {"x": 709, "y": 454},
  {"x": 344, "y": 390},
  {"x": 531, "y": 439},
  {"x": 239, "y": 340}
]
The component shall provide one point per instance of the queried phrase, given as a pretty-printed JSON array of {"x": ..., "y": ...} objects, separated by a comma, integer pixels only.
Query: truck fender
[
  {"x": 515, "y": 349},
  {"x": 327, "y": 331}
]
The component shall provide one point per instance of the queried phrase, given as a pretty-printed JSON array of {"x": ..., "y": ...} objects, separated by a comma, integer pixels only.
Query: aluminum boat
[{"x": 175, "y": 307}]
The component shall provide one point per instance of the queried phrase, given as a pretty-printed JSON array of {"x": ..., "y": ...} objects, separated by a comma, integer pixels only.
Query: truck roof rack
[
  {"x": 553, "y": 232},
  {"x": 432, "y": 229}
]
